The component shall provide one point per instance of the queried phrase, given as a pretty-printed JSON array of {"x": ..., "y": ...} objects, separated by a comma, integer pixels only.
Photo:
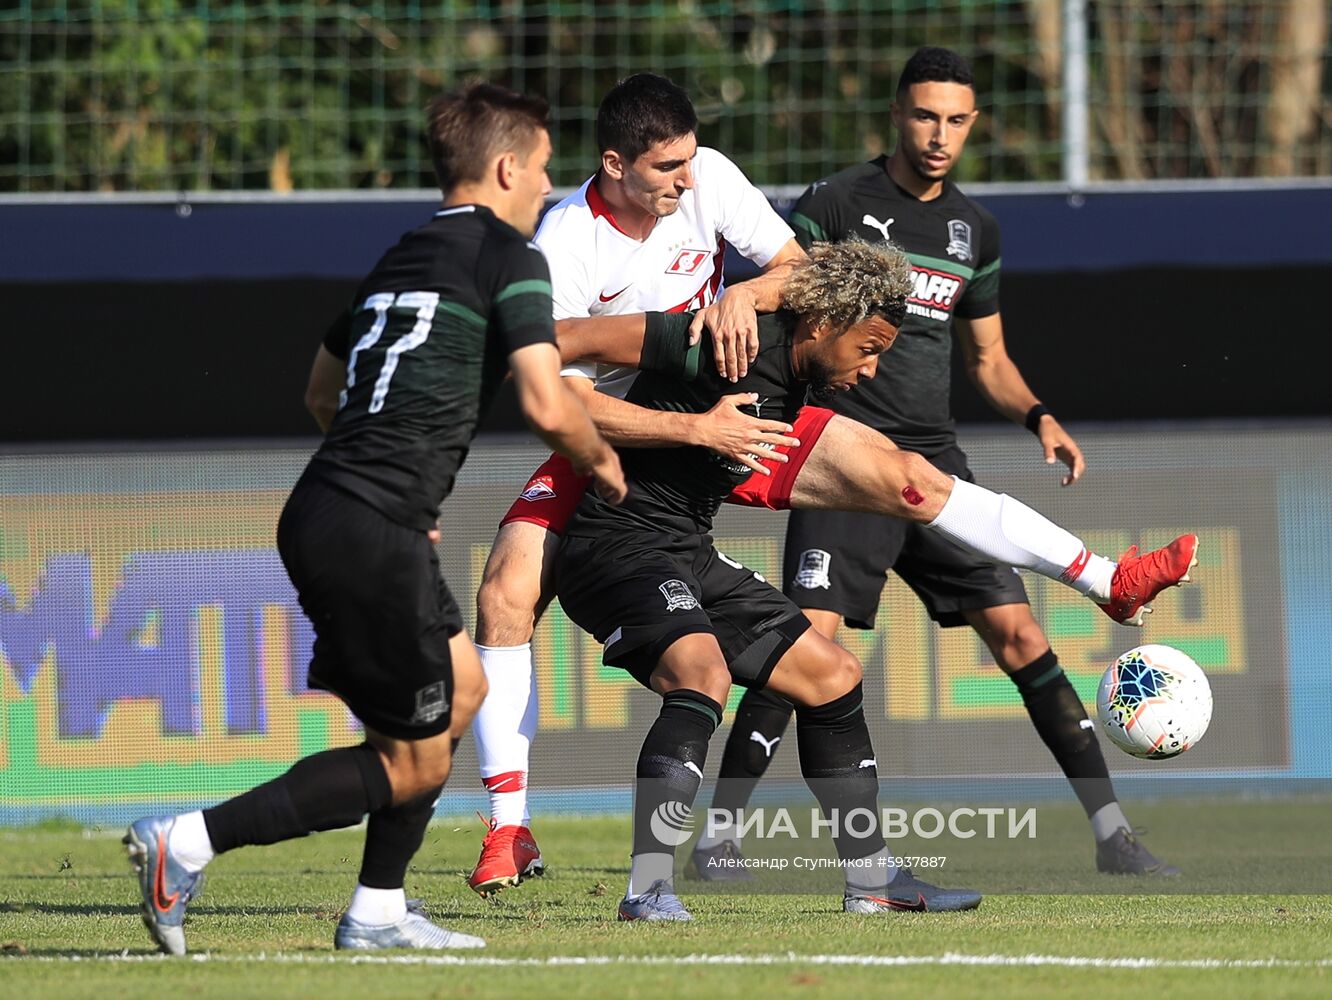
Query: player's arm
[
  {"x": 658, "y": 342},
  {"x": 559, "y": 419},
  {"x": 522, "y": 316},
  {"x": 328, "y": 373},
  {"x": 725, "y": 428},
  {"x": 733, "y": 318},
  {"x": 606, "y": 340},
  {"x": 748, "y": 223},
  {"x": 1001, "y": 383}
]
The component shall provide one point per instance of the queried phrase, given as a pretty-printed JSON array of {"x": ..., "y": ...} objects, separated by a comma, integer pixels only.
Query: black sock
[
  {"x": 392, "y": 837},
  {"x": 325, "y": 791},
  {"x": 1057, "y": 713},
  {"x": 837, "y": 760},
  {"x": 678, "y": 739},
  {"x": 760, "y": 720}
]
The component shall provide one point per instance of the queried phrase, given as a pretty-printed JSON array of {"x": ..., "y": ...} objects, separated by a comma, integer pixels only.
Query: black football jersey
[
  {"x": 953, "y": 244},
  {"x": 427, "y": 341},
  {"x": 678, "y": 490}
]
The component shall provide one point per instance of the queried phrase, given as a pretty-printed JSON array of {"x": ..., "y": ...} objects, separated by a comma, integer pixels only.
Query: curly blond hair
[{"x": 843, "y": 283}]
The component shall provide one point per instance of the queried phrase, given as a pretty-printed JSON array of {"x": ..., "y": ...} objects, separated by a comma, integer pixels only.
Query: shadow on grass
[
  {"x": 142, "y": 953},
  {"x": 199, "y": 909}
]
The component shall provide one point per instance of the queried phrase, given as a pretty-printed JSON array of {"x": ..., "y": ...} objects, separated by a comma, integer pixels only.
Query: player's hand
[
  {"x": 1057, "y": 443},
  {"x": 736, "y": 435},
  {"x": 734, "y": 326},
  {"x": 608, "y": 477}
]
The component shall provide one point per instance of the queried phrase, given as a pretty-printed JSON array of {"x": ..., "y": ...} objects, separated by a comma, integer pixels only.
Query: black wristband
[{"x": 1034, "y": 415}]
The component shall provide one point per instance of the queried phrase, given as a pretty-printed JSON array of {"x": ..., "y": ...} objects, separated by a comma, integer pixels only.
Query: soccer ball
[{"x": 1154, "y": 702}]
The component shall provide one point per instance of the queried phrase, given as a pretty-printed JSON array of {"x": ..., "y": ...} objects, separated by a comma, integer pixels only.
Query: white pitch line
[{"x": 789, "y": 958}]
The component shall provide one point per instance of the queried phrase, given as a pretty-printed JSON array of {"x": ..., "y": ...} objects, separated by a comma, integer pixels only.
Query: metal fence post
[{"x": 1075, "y": 94}]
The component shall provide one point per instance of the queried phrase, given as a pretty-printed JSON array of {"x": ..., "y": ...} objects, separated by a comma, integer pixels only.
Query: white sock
[
  {"x": 504, "y": 729},
  {"x": 189, "y": 843},
  {"x": 1106, "y": 820},
  {"x": 877, "y": 871},
  {"x": 998, "y": 527},
  {"x": 377, "y": 907},
  {"x": 644, "y": 869}
]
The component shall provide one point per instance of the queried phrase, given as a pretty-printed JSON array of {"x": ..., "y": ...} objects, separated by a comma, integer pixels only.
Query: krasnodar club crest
[
  {"x": 959, "y": 240},
  {"x": 678, "y": 596},
  {"x": 431, "y": 703},
  {"x": 813, "y": 571}
]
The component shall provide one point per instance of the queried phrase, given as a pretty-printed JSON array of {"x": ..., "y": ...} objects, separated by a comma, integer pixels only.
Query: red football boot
[
  {"x": 509, "y": 854},
  {"x": 1138, "y": 579}
]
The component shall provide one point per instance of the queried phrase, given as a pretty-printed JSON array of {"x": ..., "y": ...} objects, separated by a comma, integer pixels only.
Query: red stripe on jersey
[
  {"x": 707, "y": 292},
  {"x": 600, "y": 210}
]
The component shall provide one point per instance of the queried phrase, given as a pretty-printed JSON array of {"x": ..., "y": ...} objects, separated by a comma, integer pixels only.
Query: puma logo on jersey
[
  {"x": 874, "y": 223},
  {"x": 871, "y": 762},
  {"x": 768, "y": 745}
]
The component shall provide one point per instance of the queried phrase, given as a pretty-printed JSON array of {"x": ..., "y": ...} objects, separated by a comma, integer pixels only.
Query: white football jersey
[{"x": 597, "y": 270}]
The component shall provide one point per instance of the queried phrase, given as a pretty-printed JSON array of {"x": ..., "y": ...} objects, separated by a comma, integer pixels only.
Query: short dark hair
[
  {"x": 471, "y": 126},
  {"x": 935, "y": 65},
  {"x": 641, "y": 110}
]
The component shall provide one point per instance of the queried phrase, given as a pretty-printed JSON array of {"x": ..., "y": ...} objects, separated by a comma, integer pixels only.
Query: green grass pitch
[{"x": 263, "y": 927}]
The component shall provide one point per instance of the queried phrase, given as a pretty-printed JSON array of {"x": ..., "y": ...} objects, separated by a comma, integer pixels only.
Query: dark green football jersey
[
  {"x": 427, "y": 341},
  {"x": 678, "y": 490},
  {"x": 953, "y": 244}
]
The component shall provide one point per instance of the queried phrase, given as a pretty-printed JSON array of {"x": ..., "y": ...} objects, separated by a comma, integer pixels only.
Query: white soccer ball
[{"x": 1154, "y": 702}]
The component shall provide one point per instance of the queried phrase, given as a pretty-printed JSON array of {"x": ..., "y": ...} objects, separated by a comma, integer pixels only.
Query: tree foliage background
[{"x": 125, "y": 95}]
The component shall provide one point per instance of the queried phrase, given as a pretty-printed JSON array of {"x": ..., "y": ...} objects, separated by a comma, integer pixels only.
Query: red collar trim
[{"x": 598, "y": 207}]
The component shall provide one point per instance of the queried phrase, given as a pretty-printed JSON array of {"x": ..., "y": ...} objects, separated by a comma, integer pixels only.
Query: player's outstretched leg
[
  {"x": 508, "y": 603},
  {"x": 857, "y": 469},
  {"x": 325, "y": 791},
  {"x": 837, "y": 761},
  {"x": 1006, "y": 530},
  {"x": 760, "y": 723}
]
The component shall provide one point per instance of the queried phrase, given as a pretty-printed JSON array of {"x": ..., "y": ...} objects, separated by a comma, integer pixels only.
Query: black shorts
[
  {"x": 837, "y": 561},
  {"x": 382, "y": 615},
  {"x": 638, "y": 593}
]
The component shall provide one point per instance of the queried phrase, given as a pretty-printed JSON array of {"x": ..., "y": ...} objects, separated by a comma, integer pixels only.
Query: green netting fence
[{"x": 151, "y": 95}]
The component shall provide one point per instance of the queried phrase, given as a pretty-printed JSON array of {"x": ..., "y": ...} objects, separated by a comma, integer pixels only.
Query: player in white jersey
[{"x": 649, "y": 231}]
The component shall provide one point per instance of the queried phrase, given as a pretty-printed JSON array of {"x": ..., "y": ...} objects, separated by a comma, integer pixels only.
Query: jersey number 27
[{"x": 424, "y": 304}]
